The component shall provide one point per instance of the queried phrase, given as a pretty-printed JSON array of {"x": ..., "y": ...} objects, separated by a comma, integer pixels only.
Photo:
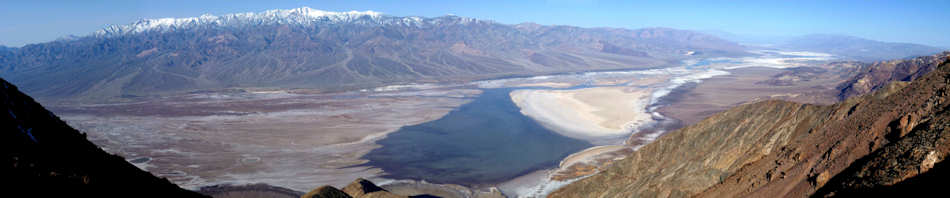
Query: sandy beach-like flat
[{"x": 586, "y": 113}]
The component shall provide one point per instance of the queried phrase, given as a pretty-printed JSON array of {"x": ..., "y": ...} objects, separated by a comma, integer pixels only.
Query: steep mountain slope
[
  {"x": 773, "y": 148},
  {"x": 856, "y": 48},
  {"x": 694, "y": 158},
  {"x": 882, "y": 139},
  {"x": 306, "y": 48},
  {"x": 44, "y": 157}
]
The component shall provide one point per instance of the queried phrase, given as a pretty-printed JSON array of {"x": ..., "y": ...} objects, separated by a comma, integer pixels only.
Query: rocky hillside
[
  {"x": 44, "y": 157},
  {"x": 859, "y": 78},
  {"x": 360, "y": 188},
  {"x": 248, "y": 191},
  {"x": 876, "y": 142},
  {"x": 869, "y": 77},
  {"x": 689, "y": 160},
  {"x": 307, "y": 48}
]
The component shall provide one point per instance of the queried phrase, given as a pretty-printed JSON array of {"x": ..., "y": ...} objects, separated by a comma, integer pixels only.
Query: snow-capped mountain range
[
  {"x": 315, "y": 49},
  {"x": 296, "y": 16}
]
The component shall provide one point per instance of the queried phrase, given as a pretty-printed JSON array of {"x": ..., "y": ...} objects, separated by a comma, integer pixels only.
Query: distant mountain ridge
[
  {"x": 845, "y": 46},
  {"x": 307, "y": 48},
  {"x": 856, "y": 48}
]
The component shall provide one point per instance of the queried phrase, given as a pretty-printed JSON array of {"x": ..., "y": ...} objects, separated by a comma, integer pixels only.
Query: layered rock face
[
  {"x": 44, "y": 157},
  {"x": 880, "y": 142}
]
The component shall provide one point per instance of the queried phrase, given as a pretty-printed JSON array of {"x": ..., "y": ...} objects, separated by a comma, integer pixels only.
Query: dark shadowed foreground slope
[
  {"x": 880, "y": 142},
  {"x": 44, "y": 157}
]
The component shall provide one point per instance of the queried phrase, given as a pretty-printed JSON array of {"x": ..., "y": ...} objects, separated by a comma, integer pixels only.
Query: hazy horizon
[{"x": 891, "y": 21}]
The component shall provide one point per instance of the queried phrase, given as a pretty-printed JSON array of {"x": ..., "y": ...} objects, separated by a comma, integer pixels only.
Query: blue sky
[{"x": 924, "y": 22}]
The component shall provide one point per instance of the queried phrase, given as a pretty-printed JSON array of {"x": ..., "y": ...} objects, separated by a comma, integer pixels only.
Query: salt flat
[
  {"x": 293, "y": 140},
  {"x": 586, "y": 113}
]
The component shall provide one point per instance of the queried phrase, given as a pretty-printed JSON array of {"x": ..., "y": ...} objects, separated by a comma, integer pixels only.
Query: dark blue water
[{"x": 483, "y": 142}]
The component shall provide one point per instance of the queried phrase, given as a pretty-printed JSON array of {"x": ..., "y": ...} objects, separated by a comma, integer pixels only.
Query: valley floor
[
  {"x": 294, "y": 140},
  {"x": 300, "y": 140}
]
